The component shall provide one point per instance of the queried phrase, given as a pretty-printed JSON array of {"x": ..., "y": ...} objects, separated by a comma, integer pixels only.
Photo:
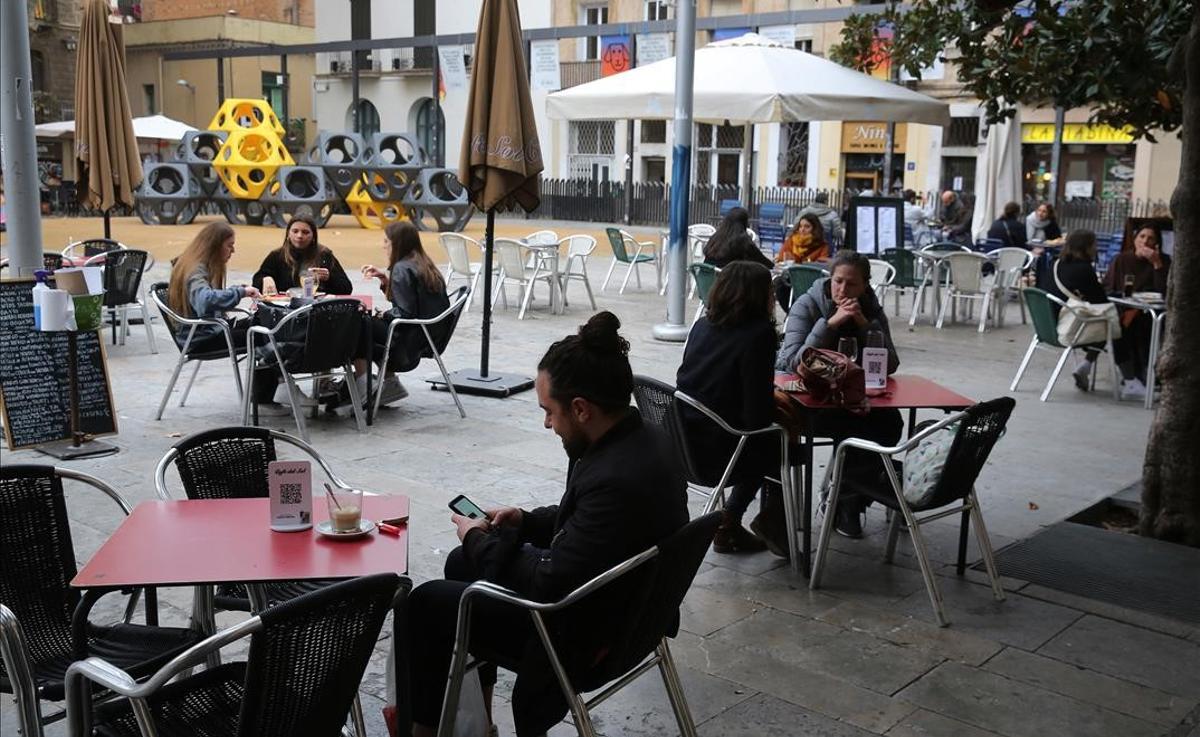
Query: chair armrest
[
  {"x": 428, "y": 320},
  {"x": 696, "y": 405},
  {"x": 493, "y": 591},
  {"x": 98, "y": 670}
]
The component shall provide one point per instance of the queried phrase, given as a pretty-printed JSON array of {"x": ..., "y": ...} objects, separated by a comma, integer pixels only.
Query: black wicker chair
[
  {"x": 651, "y": 587},
  {"x": 331, "y": 330},
  {"x": 437, "y": 332},
  {"x": 123, "y": 270},
  {"x": 91, "y": 247},
  {"x": 231, "y": 463},
  {"x": 976, "y": 431},
  {"x": 50, "y": 261},
  {"x": 301, "y": 675},
  {"x": 653, "y": 399},
  {"x": 38, "y": 636},
  {"x": 232, "y": 352}
]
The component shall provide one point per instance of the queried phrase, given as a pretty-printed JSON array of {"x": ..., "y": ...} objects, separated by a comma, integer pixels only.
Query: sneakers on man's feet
[
  {"x": 393, "y": 390},
  {"x": 1133, "y": 390},
  {"x": 1082, "y": 375},
  {"x": 847, "y": 523}
]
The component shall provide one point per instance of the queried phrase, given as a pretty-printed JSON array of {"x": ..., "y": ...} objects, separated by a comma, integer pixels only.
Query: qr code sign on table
[{"x": 290, "y": 493}]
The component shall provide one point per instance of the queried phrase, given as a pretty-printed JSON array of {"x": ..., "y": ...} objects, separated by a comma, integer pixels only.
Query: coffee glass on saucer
[{"x": 345, "y": 509}]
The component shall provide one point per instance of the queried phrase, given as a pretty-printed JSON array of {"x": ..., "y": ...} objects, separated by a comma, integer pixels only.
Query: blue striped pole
[{"x": 675, "y": 329}]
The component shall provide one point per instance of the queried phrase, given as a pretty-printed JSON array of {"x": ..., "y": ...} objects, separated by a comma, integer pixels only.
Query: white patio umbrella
[
  {"x": 997, "y": 174},
  {"x": 158, "y": 127},
  {"x": 749, "y": 79}
]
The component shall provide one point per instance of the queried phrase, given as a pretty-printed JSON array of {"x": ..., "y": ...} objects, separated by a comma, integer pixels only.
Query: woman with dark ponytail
[{"x": 623, "y": 496}]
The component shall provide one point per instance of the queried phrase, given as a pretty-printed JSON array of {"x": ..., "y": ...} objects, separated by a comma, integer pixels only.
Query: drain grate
[{"x": 1127, "y": 570}]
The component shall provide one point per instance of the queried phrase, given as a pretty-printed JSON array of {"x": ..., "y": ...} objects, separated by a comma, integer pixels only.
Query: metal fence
[{"x": 605, "y": 202}]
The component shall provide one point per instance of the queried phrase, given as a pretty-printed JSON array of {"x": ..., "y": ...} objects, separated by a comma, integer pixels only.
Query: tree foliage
[{"x": 1112, "y": 56}]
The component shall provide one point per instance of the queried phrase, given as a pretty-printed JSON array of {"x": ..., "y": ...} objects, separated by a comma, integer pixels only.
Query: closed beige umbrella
[
  {"x": 106, "y": 151},
  {"x": 500, "y": 161}
]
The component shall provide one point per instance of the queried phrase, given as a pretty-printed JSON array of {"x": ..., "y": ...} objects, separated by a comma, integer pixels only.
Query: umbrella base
[
  {"x": 468, "y": 381},
  {"x": 66, "y": 450}
]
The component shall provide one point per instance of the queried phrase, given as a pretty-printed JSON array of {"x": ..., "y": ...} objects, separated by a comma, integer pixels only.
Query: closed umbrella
[
  {"x": 997, "y": 174},
  {"x": 501, "y": 158},
  {"x": 106, "y": 151}
]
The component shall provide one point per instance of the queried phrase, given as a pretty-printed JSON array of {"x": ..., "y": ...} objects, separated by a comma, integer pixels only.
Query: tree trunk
[{"x": 1171, "y": 476}]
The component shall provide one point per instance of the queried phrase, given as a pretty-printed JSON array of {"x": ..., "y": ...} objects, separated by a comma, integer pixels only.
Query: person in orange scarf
[{"x": 805, "y": 243}]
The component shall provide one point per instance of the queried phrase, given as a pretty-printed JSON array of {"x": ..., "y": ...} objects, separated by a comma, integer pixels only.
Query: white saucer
[{"x": 365, "y": 527}]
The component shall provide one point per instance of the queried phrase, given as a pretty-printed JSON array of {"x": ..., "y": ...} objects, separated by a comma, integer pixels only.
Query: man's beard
[{"x": 575, "y": 445}]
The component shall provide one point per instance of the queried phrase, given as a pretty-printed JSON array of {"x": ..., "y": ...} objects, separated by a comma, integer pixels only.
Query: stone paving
[{"x": 759, "y": 653}]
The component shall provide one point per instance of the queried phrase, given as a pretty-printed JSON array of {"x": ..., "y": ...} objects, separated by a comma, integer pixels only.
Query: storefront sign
[
  {"x": 1075, "y": 133},
  {"x": 543, "y": 66},
  {"x": 652, "y": 47},
  {"x": 867, "y": 137}
]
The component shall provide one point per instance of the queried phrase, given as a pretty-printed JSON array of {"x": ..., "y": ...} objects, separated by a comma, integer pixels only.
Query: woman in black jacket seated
[
  {"x": 417, "y": 290},
  {"x": 843, "y": 305},
  {"x": 732, "y": 243},
  {"x": 301, "y": 255},
  {"x": 727, "y": 366},
  {"x": 1074, "y": 274},
  {"x": 1008, "y": 230}
]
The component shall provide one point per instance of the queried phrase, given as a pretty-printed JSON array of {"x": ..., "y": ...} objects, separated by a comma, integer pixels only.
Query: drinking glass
[
  {"x": 345, "y": 509},
  {"x": 848, "y": 347},
  {"x": 1128, "y": 291}
]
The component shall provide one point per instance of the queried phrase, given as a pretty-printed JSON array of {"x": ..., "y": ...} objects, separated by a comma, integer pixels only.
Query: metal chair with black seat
[
  {"x": 955, "y": 449},
  {"x": 301, "y": 675},
  {"x": 90, "y": 248},
  {"x": 699, "y": 480},
  {"x": 331, "y": 331},
  {"x": 43, "y": 628},
  {"x": 50, "y": 261},
  {"x": 650, "y": 616},
  {"x": 173, "y": 320},
  {"x": 443, "y": 325},
  {"x": 123, "y": 270}
]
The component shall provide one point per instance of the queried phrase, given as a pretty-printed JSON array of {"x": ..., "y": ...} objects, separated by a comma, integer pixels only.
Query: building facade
[
  {"x": 188, "y": 90},
  {"x": 53, "y": 40}
]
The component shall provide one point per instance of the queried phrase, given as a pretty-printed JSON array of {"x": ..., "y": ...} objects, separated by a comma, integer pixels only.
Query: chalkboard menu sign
[{"x": 35, "y": 396}]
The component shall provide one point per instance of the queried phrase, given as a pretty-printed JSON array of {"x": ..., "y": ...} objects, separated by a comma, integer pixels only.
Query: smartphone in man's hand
[{"x": 467, "y": 508}]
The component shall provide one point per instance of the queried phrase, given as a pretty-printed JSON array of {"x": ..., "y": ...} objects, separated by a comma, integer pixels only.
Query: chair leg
[
  {"x": 985, "y": 548},
  {"x": 674, "y": 686},
  {"x": 355, "y": 401},
  {"x": 188, "y": 389},
  {"x": 629, "y": 270},
  {"x": 1054, "y": 376},
  {"x": 298, "y": 412},
  {"x": 964, "y": 529},
  {"x": 1024, "y": 363},
  {"x": 449, "y": 386},
  {"x": 171, "y": 385},
  {"x": 889, "y": 551},
  {"x": 608, "y": 276},
  {"x": 528, "y": 295},
  {"x": 471, "y": 293},
  {"x": 935, "y": 594},
  {"x": 918, "y": 305},
  {"x": 356, "y": 716},
  {"x": 983, "y": 311},
  {"x": 588, "y": 286},
  {"x": 20, "y": 674},
  {"x": 947, "y": 301},
  {"x": 149, "y": 329},
  {"x": 579, "y": 711},
  {"x": 814, "y": 580}
]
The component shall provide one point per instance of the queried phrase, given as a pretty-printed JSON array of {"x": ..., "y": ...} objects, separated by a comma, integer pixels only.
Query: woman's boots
[
  {"x": 731, "y": 537},
  {"x": 770, "y": 524}
]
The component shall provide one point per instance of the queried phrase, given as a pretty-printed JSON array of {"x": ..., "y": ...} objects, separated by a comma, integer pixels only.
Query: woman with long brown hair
[
  {"x": 197, "y": 289},
  {"x": 417, "y": 290},
  {"x": 302, "y": 255}
]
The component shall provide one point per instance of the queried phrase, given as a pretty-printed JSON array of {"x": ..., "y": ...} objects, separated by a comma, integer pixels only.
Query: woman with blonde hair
[
  {"x": 416, "y": 289},
  {"x": 197, "y": 289}
]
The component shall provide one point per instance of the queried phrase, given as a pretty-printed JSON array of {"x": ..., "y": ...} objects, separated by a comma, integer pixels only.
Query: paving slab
[
  {"x": 1152, "y": 659},
  {"x": 924, "y": 723},
  {"x": 1146, "y": 620},
  {"x": 1016, "y": 709},
  {"x": 945, "y": 642},
  {"x": 767, "y": 716},
  {"x": 1095, "y": 688},
  {"x": 793, "y": 596},
  {"x": 971, "y": 608}
]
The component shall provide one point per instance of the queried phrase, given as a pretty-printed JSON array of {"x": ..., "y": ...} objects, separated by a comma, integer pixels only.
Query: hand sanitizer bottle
[{"x": 38, "y": 290}]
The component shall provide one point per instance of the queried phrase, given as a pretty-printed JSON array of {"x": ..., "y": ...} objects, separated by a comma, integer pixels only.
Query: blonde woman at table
[
  {"x": 417, "y": 290},
  {"x": 301, "y": 255},
  {"x": 197, "y": 289},
  {"x": 843, "y": 305},
  {"x": 727, "y": 366}
]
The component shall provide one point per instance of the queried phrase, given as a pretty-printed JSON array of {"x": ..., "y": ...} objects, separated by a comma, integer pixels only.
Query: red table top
[
  {"x": 175, "y": 543},
  {"x": 903, "y": 392}
]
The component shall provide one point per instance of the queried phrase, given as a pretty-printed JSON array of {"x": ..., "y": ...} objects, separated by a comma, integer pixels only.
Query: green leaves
[{"x": 1107, "y": 55}]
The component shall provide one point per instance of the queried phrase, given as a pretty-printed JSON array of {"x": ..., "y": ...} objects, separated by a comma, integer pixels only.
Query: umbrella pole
[
  {"x": 20, "y": 145},
  {"x": 483, "y": 382},
  {"x": 107, "y": 224},
  {"x": 488, "y": 234}
]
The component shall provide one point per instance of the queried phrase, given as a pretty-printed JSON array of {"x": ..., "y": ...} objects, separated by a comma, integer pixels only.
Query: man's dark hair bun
[{"x": 599, "y": 333}]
